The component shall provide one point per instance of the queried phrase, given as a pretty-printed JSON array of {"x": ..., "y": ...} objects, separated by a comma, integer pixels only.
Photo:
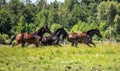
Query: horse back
[
  {"x": 26, "y": 37},
  {"x": 84, "y": 38},
  {"x": 72, "y": 35}
]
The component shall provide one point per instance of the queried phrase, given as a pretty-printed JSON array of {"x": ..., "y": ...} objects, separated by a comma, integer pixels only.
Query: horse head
[
  {"x": 97, "y": 32},
  {"x": 60, "y": 32},
  {"x": 43, "y": 30},
  {"x": 94, "y": 31}
]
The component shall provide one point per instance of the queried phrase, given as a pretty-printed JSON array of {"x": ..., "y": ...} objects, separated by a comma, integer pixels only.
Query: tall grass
[{"x": 104, "y": 57}]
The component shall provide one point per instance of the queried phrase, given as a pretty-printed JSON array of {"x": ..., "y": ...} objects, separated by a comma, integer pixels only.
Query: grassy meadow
[{"x": 103, "y": 57}]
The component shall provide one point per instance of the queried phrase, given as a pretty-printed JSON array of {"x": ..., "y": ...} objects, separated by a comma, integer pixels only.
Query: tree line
[{"x": 74, "y": 15}]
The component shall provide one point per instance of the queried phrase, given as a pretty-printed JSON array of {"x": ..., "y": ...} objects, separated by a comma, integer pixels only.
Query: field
[{"x": 104, "y": 57}]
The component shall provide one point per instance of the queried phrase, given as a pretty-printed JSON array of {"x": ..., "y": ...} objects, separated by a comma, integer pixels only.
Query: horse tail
[{"x": 12, "y": 40}]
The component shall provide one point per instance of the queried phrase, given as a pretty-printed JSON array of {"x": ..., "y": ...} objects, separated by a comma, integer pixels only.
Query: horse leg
[
  {"x": 88, "y": 44},
  {"x": 27, "y": 45},
  {"x": 75, "y": 44},
  {"x": 72, "y": 44},
  {"x": 23, "y": 44},
  {"x": 36, "y": 45},
  {"x": 93, "y": 44},
  {"x": 59, "y": 45}
]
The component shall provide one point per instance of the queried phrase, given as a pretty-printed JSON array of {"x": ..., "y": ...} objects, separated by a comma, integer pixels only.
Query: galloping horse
[
  {"x": 86, "y": 37},
  {"x": 55, "y": 37},
  {"x": 30, "y": 38}
]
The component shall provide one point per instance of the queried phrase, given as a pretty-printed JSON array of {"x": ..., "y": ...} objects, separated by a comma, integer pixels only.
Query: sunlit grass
[{"x": 103, "y": 57}]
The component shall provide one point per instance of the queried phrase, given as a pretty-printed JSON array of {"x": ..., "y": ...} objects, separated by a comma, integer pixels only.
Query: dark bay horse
[
  {"x": 85, "y": 37},
  {"x": 55, "y": 37},
  {"x": 30, "y": 38}
]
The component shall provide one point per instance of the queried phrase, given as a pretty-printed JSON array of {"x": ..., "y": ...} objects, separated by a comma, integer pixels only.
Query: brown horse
[
  {"x": 30, "y": 38},
  {"x": 86, "y": 37}
]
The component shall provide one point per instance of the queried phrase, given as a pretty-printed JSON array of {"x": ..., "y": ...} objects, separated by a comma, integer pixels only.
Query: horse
[
  {"x": 85, "y": 37},
  {"x": 30, "y": 38},
  {"x": 55, "y": 37}
]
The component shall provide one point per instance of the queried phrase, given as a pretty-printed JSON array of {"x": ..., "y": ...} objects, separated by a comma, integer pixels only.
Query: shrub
[{"x": 3, "y": 38}]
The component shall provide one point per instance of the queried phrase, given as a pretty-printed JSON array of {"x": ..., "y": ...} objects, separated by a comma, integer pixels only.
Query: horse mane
[
  {"x": 39, "y": 31},
  {"x": 55, "y": 32},
  {"x": 91, "y": 30},
  {"x": 62, "y": 30}
]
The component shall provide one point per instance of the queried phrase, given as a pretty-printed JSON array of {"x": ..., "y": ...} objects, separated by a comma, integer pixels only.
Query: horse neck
[
  {"x": 91, "y": 33},
  {"x": 58, "y": 34},
  {"x": 40, "y": 33}
]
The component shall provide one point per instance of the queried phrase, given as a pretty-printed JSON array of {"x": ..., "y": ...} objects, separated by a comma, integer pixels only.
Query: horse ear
[{"x": 46, "y": 26}]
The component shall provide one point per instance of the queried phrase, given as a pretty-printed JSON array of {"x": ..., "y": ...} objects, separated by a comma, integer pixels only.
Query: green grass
[{"x": 104, "y": 57}]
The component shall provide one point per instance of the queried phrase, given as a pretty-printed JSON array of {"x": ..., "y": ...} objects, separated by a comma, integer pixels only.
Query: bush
[
  {"x": 3, "y": 38},
  {"x": 55, "y": 26}
]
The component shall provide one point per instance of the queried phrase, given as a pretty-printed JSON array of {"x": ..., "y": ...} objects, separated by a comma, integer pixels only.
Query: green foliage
[
  {"x": 3, "y": 38},
  {"x": 5, "y": 22},
  {"x": 30, "y": 27},
  {"x": 41, "y": 19},
  {"x": 81, "y": 27},
  {"x": 108, "y": 12},
  {"x": 41, "y": 4},
  {"x": 29, "y": 13},
  {"x": 21, "y": 25},
  {"x": 55, "y": 26},
  {"x": 117, "y": 25},
  {"x": 15, "y": 9},
  {"x": 103, "y": 29}
]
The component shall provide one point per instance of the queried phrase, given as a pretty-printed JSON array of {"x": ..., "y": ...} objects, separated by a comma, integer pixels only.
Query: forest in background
[{"x": 74, "y": 15}]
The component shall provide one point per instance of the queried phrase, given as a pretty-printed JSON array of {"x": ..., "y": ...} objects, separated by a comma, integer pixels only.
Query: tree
[
  {"x": 53, "y": 13},
  {"x": 80, "y": 27},
  {"x": 28, "y": 1},
  {"x": 55, "y": 26},
  {"x": 41, "y": 19},
  {"x": 5, "y": 22},
  {"x": 79, "y": 12},
  {"x": 107, "y": 13},
  {"x": 15, "y": 9},
  {"x": 21, "y": 27},
  {"x": 29, "y": 12},
  {"x": 69, "y": 4},
  {"x": 41, "y": 4}
]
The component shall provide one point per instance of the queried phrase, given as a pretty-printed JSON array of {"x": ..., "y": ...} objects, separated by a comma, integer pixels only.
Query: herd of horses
[{"x": 37, "y": 38}]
